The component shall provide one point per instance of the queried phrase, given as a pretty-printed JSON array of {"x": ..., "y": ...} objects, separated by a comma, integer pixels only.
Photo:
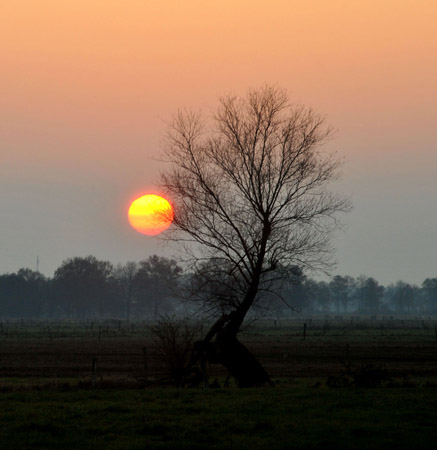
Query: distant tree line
[
  {"x": 361, "y": 295},
  {"x": 85, "y": 287}
]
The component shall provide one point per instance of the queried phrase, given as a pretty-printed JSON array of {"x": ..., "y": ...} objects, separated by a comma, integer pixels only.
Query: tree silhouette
[
  {"x": 429, "y": 288},
  {"x": 341, "y": 289},
  {"x": 23, "y": 294},
  {"x": 249, "y": 190},
  {"x": 83, "y": 285},
  {"x": 125, "y": 276},
  {"x": 156, "y": 281},
  {"x": 369, "y": 294}
]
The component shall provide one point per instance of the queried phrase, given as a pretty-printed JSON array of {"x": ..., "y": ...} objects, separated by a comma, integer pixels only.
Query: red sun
[{"x": 150, "y": 214}]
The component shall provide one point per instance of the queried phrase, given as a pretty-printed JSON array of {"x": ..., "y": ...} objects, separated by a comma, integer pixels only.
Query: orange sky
[{"x": 85, "y": 87}]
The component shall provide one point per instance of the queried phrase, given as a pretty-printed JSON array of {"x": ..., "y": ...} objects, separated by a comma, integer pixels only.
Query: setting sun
[{"x": 150, "y": 214}]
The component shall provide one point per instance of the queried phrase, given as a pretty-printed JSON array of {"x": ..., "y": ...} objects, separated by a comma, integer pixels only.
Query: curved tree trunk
[
  {"x": 241, "y": 363},
  {"x": 221, "y": 346}
]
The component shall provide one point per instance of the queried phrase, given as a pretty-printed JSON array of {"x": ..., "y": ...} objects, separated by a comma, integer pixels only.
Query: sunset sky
[{"x": 87, "y": 85}]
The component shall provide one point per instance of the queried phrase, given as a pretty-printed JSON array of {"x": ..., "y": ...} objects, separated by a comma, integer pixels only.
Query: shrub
[{"x": 175, "y": 341}]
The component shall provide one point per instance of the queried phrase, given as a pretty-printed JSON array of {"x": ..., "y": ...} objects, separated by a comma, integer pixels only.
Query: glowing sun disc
[{"x": 150, "y": 214}]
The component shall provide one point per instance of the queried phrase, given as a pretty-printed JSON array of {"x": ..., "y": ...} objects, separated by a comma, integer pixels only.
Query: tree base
[
  {"x": 232, "y": 354},
  {"x": 241, "y": 363}
]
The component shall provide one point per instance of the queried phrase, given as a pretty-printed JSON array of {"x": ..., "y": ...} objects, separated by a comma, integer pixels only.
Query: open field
[
  {"x": 126, "y": 351},
  {"x": 47, "y": 401}
]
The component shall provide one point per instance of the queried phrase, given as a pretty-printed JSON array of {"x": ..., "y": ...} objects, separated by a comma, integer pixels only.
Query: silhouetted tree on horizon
[
  {"x": 23, "y": 294},
  {"x": 125, "y": 276},
  {"x": 369, "y": 294},
  {"x": 81, "y": 285},
  {"x": 342, "y": 291},
  {"x": 249, "y": 190},
  {"x": 429, "y": 288},
  {"x": 156, "y": 283}
]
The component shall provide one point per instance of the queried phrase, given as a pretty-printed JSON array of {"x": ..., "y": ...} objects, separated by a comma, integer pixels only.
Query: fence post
[
  {"x": 145, "y": 362},
  {"x": 94, "y": 372}
]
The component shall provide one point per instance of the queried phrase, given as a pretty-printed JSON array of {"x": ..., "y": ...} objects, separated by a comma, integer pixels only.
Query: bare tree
[{"x": 249, "y": 190}]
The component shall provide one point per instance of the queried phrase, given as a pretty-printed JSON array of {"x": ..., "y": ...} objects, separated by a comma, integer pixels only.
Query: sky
[{"x": 86, "y": 87}]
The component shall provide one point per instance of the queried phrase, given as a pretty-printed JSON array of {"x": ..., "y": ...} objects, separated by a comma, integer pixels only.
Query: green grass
[{"x": 297, "y": 417}]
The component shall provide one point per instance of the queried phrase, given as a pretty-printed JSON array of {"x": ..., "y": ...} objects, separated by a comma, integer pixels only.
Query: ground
[{"x": 47, "y": 400}]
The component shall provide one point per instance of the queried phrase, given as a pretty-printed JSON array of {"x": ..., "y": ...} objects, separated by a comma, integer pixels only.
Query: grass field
[
  {"x": 297, "y": 417},
  {"x": 47, "y": 402}
]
